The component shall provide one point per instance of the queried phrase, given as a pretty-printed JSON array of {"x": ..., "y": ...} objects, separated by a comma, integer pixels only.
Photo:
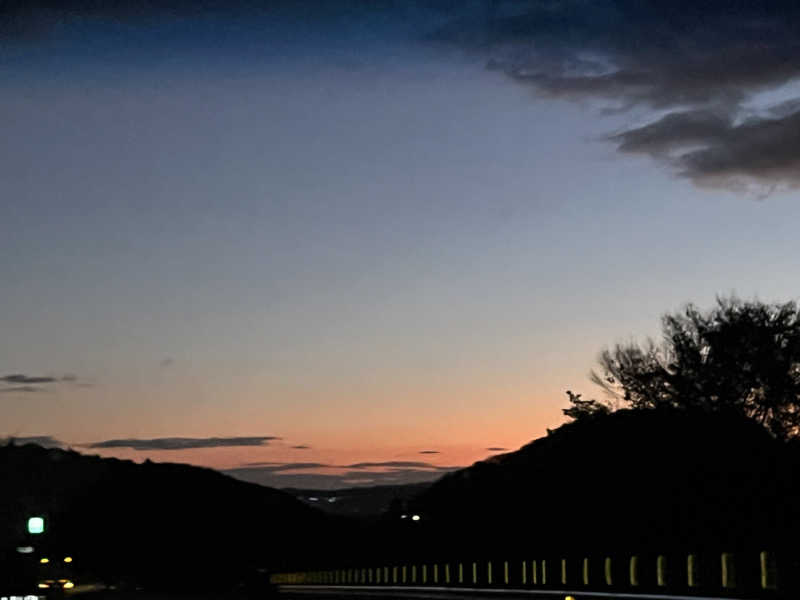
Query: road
[{"x": 299, "y": 592}]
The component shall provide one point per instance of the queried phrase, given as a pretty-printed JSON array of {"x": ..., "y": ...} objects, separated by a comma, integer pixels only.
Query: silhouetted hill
[
  {"x": 629, "y": 480},
  {"x": 151, "y": 521}
]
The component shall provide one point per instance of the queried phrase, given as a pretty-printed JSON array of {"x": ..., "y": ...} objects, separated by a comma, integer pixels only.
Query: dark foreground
[{"x": 377, "y": 593}]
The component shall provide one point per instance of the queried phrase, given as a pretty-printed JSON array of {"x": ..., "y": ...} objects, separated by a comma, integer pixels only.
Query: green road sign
[{"x": 36, "y": 525}]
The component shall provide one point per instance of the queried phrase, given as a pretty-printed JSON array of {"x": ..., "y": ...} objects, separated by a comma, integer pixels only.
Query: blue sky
[{"x": 328, "y": 228}]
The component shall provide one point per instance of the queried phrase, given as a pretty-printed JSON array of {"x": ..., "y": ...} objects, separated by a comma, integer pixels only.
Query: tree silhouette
[
  {"x": 741, "y": 356},
  {"x": 584, "y": 409}
]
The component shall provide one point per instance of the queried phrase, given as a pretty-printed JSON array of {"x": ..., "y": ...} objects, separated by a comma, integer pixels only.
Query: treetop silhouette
[{"x": 740, "y": 356}]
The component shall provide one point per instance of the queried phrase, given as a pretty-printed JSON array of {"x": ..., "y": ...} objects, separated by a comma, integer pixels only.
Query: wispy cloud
[
  {"x": 166, "y": 362},
  {"x": 322, "y": 476},
  {"x": 22, "y": 389},
  {"x": 183, "y": 443},
  {"x": 406, "y": 464},
  {"x": 41, "y": 440},
  {"x": 497, "y": 449},
  {"x": 301, "y": 447},
  {"x": 25, "y": 379},
  {"x": 429, "y": 452},
  {"x": 279, "y": 467},
  {"x": 23, "y": 383}
]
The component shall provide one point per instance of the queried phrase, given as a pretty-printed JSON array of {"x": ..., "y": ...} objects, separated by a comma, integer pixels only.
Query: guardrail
[{"x": 689, "y": 574}]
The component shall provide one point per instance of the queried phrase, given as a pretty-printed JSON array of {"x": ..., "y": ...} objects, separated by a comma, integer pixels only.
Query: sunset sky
[{"x": 382, "y": 236}]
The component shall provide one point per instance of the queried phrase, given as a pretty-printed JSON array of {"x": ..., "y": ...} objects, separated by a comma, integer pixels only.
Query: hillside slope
[
  {"x": 628, "y": 480},
  {"x": 153, "y": 520}
]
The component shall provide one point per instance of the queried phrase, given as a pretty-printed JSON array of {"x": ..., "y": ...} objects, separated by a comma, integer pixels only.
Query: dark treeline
[{"x": 739, "y": 358}]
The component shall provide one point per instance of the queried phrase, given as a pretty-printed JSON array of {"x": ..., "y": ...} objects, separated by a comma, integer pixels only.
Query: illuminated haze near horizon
[{"x": 331, "y": 231}]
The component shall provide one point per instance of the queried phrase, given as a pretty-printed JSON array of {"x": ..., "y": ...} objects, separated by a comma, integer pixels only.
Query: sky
[{"x": 353, "y": 242}]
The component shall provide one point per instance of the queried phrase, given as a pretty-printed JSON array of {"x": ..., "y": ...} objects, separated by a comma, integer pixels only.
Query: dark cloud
[
  {"x": 167, "y": 362},
  {"x": 47, "y": 441},
  {"x": 678, "y": 56},
  {"x": 702, "y": 62},
  {"x": 301, "y": 447},
  {"x": 712, "y": 149},
  {"x": 180, "y": 443},
  {"x": 25, "y": 379},
  {"x": 32, "y": 383},
  {"x": 497, "y": 449},
  {"x": 429, "y": 452},
  {"x": 22, "y": 389}
]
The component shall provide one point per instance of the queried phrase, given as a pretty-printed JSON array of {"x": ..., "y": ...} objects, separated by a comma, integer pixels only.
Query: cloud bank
[
  {"x": 695, "y": 67},
  {"x": 326, "y": 476}
]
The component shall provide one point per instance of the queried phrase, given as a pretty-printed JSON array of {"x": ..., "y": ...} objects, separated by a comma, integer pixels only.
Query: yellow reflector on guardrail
[
  {"x": 728, "y": 571},
  {"x": 769, "y": 571}
]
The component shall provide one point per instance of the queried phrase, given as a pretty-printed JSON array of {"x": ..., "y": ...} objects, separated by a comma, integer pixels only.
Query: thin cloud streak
[
  {"x": 23, "y": 389},
  {"x": 395, "y": 464},
  {"x": 181, "y": 443},
  {"x": 279, "y": 477},
  {"x": 25, "y": 379}
]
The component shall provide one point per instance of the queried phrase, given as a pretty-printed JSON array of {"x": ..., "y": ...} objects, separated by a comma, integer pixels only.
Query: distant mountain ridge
[
  {"x": 366, "y": 502},
  {"x": 150, "y": 520},
  {"x": 630, "y": 482}
]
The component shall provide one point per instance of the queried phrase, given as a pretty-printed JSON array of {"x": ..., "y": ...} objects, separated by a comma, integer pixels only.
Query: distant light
[
  {"x": 403, "y": 516},
  {"x": 569, "y": 598},
  {"x": 332, "y": 499},
  {"x": 44, "y": 561},
  {"x": 67, "y": 559},
  {"x": 44, "y": 585},
  {"x": 69, "y": 585},
  {"x": 24, "y": 549},
  {"x": 417, "y": 518},
  {"x": 36, "y": 525},
  {"x": 27, "y": 597},
  {"x": 313, "y": 499}
]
